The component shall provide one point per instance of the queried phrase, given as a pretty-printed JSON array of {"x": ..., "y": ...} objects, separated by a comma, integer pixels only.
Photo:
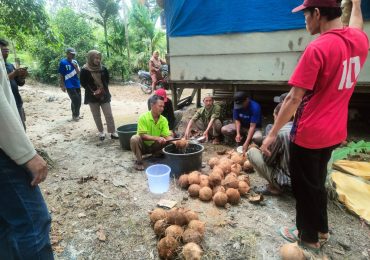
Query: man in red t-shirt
[{"x": 322, "y": 85}]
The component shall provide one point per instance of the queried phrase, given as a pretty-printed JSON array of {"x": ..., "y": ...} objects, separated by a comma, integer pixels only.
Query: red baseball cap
[
  {"x": 162, "y": 93},
  {"x": 316, "y": 3}
]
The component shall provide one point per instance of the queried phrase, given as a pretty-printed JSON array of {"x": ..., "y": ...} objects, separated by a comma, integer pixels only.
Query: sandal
[
  {"x": 139, "y": 166},
  {"x": 289, "y": 234},
  {"x": 265, "y": 191},
  {"x": 323, "y": 240}
]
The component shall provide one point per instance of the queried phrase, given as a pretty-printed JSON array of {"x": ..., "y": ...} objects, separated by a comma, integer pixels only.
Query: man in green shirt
[
  {"x": 207, "y": 119},
  {"x": 152, "y": 132}
]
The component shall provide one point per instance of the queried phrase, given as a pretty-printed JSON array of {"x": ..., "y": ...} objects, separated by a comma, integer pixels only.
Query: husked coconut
[
  {"x": 160, "y": 227},
  {"x": 176, "y": 216},
  {"x": 205, "y": 194},
  {"x": 233, "y": 196},
  {"x": 220, "y": 199},
  {"x": 237, "y": 158},
  {"x": 191, "y": 235},
  {"x": 291, "y": 252},
  {"x": 181, "y": 144},
  {"x": 194, "y": 177},
  {"x": 247, "y": 166},
  {"x": 192, "y": 251},
  {"x": 184, "y": 181},
  {"x": 243, "y": 188},
  {"x": 194, "y": 190},
  {"x": 174, "y": 231},
  {"x": 236, "y": 168},
  {"x": 225, "y": 165},
  {"x": 214, "y": 179},
  {"x": 231, "y": 182},
  {"x": 245, "y": 178},
  {"x": 197, "y": 225},
  {"x": 167, "y": 247},
  {"x": 218, "y": 171},
  {"x": 157, "y": 214},
  {"x": 204, "y": 180},
  {"x": 218, "y": 188},
  {"x": 213, "y": 162},
  {"x": 191, "y": 215}
]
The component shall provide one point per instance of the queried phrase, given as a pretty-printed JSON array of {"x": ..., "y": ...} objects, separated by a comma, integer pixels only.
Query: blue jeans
[{"x": 24, "y": 218}]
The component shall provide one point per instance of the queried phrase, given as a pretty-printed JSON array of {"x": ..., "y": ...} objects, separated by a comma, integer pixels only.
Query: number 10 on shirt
[{"x": 347, "y": 72}]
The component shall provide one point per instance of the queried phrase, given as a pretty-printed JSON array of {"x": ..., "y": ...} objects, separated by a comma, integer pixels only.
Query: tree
[{"x": 107, "y": 9}]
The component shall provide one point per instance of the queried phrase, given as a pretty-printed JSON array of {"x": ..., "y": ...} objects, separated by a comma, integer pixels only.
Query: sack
[{"x": 99, "y": 93}]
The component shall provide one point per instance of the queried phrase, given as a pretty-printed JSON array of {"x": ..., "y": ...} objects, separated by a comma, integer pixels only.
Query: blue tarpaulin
[{"x": 208, "y": 17}]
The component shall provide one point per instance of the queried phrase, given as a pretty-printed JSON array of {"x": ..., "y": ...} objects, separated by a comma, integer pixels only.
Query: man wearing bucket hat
[
  {"x": 322, "y": 85},
  {"x": 247, "y": 120},
  {"x": 173, "y": 117},
  {"x": 152, "y": 132}
]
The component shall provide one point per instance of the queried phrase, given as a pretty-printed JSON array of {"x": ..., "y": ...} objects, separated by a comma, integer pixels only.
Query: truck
[{"x": 232, "y": 45}]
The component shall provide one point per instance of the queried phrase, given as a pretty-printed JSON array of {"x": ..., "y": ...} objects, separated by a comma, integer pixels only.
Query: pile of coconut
[
  {"x": 180, "y": 232},
  {"x": 225, "y": 183}
]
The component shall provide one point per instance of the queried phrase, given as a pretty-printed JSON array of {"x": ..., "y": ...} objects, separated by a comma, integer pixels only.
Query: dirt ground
[{"x": 93, "y": 189}]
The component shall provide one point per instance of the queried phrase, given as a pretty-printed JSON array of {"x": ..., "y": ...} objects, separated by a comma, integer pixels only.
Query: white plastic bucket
[{"x": 158, "y": 178}]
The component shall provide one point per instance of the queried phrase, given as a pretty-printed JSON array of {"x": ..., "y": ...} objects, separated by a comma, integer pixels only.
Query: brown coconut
[
  {"x": 245, "y": 178},
  {"x": 191, "y": 215},
  {"x": 213, "y": 162},
  {"x": 291, "y": 252},
  {"x": 220, "y": 199},
  {"x": 181, "y": 144},
  {"x": 194, "y": 177},
  {"x": 160, "y": 227},
  {"x": 192, "y": 251},
  {"x": 233, "y": 196},
  {"x": 231, "y": 182},
  {"x": 218, "y": 171},
  {"x": 205, "y": 194},
  {"x": 167, "y": 247},
  {"x": 176, "y": 216},
  {"x": 203, "y": 180},
  {"x": 225, "y": 165},
  {"x": 237, "y": 158},
  {"x": 243, "y": 188},
  {"x": 194, "y": 190},
  {"x": 191, "y": 235},
  {"x": 184, "y": 181},
  {"x": 214, "y": 179},
  {"x": 174, "y": 231},
  {"x": 157, "y": 214},
  {"x": 236, "y": 168},
  {"x": 247, "y": 166},
  {"x": 197, "y": 225},
  {"x": 218, "y": 188}
]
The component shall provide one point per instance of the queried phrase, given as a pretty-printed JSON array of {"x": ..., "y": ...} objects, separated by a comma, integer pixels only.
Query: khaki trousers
[
  {"x": 107, "y": 111},
  {"x": 139, "y": 148},
  {"x": 215, "y": 129}
]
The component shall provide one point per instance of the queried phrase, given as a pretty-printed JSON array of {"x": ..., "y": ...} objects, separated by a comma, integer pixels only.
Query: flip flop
[
  {"x": 289, "y": 234},
  {"x": 323, "y": 241},
  {"x": 265, "y": 191}
]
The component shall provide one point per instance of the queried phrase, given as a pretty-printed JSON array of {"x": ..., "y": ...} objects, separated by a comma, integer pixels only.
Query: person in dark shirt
[
  {"x": 16, "y": 78},
  {"x": 247, "y": 121}
]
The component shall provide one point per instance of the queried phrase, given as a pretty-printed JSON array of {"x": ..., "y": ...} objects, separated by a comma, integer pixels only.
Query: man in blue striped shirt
[{"x": 274, "y": 168}]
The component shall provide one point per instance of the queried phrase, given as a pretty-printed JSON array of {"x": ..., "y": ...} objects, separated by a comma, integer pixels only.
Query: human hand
[
  {"x": 161, "y": 140},
  {"x": 205, "y": 134},
  {"x": 245, "y": 147},
  {"x": 238, "y": 138},
  {"x": 270, "y": 139},
  {"x": 22, "y": 72},
  {"x": 38, "y": 168},
  {"x": 186, "y": 135}
]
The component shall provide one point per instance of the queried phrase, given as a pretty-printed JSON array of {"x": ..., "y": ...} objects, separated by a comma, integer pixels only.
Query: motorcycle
[{"x": 146, "y": 81}]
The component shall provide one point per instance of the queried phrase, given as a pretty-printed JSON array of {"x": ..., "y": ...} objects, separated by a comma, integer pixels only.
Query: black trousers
[
  {"x": 308, "y": 170},
  {"x": 75, "y": 96}
]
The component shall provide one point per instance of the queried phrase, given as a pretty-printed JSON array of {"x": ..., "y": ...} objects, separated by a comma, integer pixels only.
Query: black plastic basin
[{"x": 125, "y": 133}]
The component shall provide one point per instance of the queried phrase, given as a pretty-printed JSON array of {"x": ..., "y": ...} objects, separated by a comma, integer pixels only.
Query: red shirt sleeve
[{"x": 308, "y": 67}]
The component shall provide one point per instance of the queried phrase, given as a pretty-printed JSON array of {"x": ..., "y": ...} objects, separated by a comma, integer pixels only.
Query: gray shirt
[{"x": 13, "y": 139}]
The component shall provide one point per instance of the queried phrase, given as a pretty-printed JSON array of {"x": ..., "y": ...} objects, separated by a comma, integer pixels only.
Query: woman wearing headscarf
[{"x": 94, "y": 78}]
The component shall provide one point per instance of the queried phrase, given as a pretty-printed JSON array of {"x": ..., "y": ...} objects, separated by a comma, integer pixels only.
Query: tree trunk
[
  {"x": 106, "y": 37},
  {"x": 125, "y": 13}
]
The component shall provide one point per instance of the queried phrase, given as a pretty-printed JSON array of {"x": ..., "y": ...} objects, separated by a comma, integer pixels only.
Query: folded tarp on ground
[
  {"x": 354, "y": 193},
  {"x": 360, "y": 169}
]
